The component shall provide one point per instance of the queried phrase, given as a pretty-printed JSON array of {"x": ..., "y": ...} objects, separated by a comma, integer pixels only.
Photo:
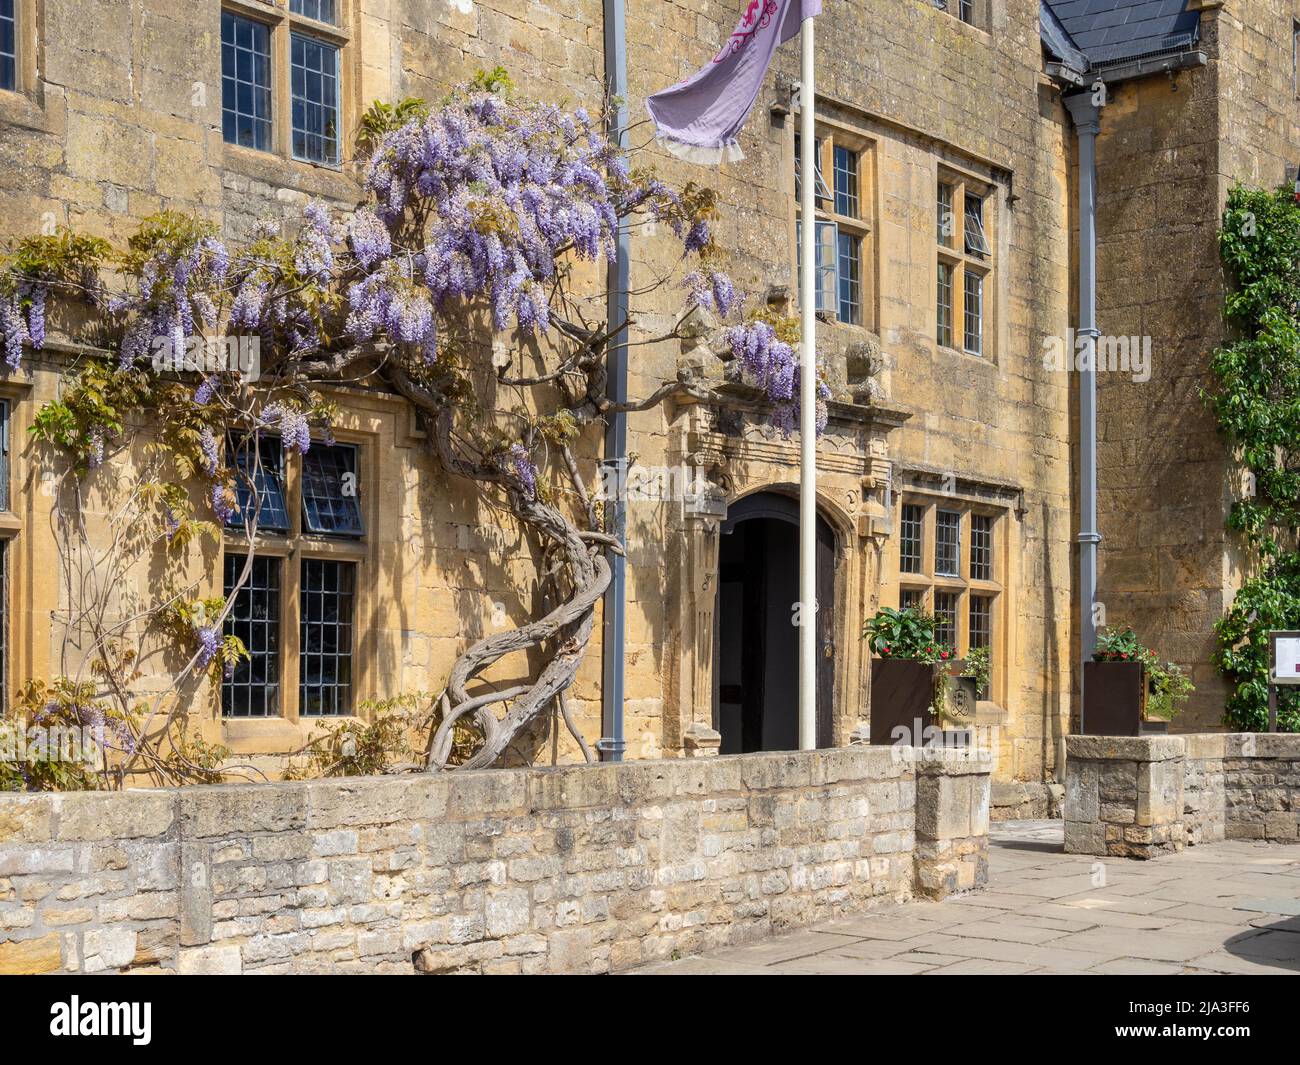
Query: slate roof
[{"x": 1115, "y": 31}]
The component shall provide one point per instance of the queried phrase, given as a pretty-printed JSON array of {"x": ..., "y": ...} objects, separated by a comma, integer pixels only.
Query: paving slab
[{"x": 1230, "y": 907}]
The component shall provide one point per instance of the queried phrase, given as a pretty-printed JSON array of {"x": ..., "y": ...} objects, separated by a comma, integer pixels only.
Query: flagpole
[{"x": 807, "y": 401}]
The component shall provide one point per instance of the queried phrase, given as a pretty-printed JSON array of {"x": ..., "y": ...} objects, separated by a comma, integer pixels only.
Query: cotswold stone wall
[
  {"x": 1261, "y": 787},
  {"x": 1204, "y": 796},
  {"x": 1142, "y": 796},
  {"x": 580, "y": 869},
  {"x": 1124, "y": 795}
]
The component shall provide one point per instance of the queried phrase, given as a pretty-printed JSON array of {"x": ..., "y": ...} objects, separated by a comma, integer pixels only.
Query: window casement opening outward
[
  {"x": 296, "y": 582},
  {"x": 282, "y": 80},
  {"x": 964, "y": 265},
  {"x": 841, "y": 230},
  {"x": 948, "y": 567}
]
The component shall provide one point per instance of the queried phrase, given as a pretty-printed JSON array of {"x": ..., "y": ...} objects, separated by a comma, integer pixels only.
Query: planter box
[
  {"x": 1114, "y": 698},
  {"x": 901, "y": 694}
]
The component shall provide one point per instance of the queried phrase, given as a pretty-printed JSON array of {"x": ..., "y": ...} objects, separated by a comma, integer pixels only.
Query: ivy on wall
[{"x": 1256, "y": 399}]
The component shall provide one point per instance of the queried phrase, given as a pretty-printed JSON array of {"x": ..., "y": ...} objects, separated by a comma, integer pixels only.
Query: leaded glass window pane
[
  {"x": 327, "y": 603},
  {"x": 314, "y": 80},
  {"x": 245, "y": 82},
  {"x": 253, "y": 689},
  {"x": 947, "y": 543}
]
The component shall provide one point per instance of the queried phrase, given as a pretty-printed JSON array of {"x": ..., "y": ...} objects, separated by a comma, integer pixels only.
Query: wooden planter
[
  {"x": 1114, "y": 698},
  {"x": 901, "y": 694}
]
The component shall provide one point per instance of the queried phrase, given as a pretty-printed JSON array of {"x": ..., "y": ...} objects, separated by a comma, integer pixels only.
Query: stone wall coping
[
  {"x": 1203, "y": 745},
  {"x": 216, "y": 810},
  {"x": 1125, "y": 748},
  {"x": 1200, "y": 746},
  {"x": 949, "y": 762},
  {"x": 1262, "y": 745}
]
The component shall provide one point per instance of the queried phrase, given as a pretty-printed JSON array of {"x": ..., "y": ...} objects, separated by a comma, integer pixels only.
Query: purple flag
[{"x": 700, "y": 118}]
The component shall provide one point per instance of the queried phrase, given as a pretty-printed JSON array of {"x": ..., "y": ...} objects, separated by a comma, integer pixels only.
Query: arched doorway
[{"x": 756, "y": 656}]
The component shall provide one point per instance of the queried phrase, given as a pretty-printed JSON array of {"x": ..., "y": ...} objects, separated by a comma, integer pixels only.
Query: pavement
[{"x": 1231, "y": 907}]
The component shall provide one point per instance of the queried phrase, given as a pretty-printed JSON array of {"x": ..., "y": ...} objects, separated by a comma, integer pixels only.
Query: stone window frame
[
  {"x": 28, "y": 18},
  {"x": 1295, "y": 57},
  {"x": 293, "y": 549},
  {"x": 9, "y": 13},
  {"x": 832, "y": 133},
  {"x": 918, "y": 589},
  {"x": 14, "y": 605},
  {"x": 954, "y": 261},
  {"x": 6, "y": 411},
  {"x": 977, "y": 14},
  {"x": 284, "y": 24}
]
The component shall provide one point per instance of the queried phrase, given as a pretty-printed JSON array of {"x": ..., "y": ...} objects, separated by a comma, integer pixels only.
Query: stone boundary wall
[
  {"x": 1143, "y": 796},
  {"x": 576, "y": 869}
]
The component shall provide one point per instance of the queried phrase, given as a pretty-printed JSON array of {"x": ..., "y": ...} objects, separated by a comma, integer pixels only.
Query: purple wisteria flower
[
  {"x": 771, "y": 364},
  {"x": 250, "y": 302},
  {"x": 522, "y": 465},
  {"x": 371, "y": 241},
  {"x": 35, "y": 292},
  {"x": 314, "y": 258},
  {"x": 15, "y": 331},
  {"x": 510, "y": 187},
  {"x": 712, "y": 291},
  {"x": 295, "y": 431},
  {"x": 223, "y": 502},
  {"x": 209, "y": 642},
  {"x": 211, "y": 454}
]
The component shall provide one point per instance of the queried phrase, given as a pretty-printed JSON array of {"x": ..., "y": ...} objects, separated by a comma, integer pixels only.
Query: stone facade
[
  {"x": 500, "y": 871},
  {"x": 1169, "y": 151},
  {"x": 119, "y": 114},
  {"x": 1143, "y": 796},
  {"x": 122, "y": 117}
]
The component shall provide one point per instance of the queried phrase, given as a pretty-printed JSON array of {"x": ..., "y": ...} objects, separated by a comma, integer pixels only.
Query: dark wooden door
[
  {"x": 825, "y": 635},
  {"x": 756, "y": 646}
]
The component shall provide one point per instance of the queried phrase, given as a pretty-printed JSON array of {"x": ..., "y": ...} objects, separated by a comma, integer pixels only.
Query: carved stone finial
[
  {"x": 864, "y": 362},
  {"x": 864, "y": 359}
]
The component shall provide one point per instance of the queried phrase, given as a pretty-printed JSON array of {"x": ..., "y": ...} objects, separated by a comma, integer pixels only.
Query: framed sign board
[
  {"x": 1283, "y": 668},
  {"x": 1284, "y": 657}
]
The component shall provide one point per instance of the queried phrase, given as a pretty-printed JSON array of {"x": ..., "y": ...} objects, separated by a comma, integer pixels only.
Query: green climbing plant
[{"x": 1255, "y": 397}]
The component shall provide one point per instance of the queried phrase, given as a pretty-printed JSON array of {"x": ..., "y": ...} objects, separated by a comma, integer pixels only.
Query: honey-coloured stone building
[{"x": 947, "y": 219}]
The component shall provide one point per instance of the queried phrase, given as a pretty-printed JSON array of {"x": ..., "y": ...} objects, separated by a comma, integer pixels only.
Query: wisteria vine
[{"x": 475, "y": 213}]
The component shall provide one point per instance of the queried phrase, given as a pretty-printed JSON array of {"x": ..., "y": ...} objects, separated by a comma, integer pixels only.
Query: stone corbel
[
  {"x": 876, "y": 519},
  {"x": 701, "y": 741}
]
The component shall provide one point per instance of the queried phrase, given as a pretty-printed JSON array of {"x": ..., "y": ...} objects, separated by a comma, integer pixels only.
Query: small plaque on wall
[{"x": 1284, "y": 655}]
